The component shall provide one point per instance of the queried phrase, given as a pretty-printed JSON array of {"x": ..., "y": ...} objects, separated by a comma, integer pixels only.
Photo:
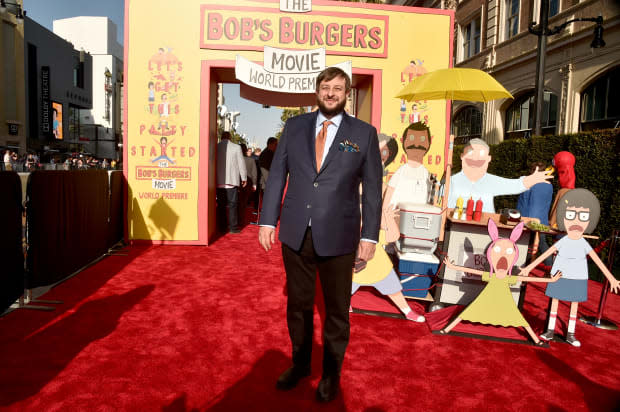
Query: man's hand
[
  {"x": 537, "y": 177},
  {"x": 366, "y": 250},
  {"x": 243, "y": 183},
  {"x": 266, "y": 237}
]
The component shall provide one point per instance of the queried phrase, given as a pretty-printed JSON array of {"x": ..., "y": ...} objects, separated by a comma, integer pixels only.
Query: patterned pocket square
[{"x": 347, "y": 146}]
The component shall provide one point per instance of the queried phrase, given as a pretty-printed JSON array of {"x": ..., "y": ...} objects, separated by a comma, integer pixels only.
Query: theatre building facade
[
  {"x": 58, "y": 87},
  {"x": 579, "y": 80}
]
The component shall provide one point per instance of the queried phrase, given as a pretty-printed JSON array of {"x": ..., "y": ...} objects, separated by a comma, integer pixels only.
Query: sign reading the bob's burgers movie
[
  {"x": 178, "y": 55},
  {"x": 252, "y": 28}
]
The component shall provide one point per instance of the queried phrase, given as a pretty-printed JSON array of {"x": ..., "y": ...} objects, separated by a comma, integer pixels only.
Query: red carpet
[{"x": 195, "y": 329}]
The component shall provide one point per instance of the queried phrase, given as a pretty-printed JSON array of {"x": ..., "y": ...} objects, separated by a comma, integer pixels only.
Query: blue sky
[
  {"x": 257, "y": 123},
  {"x": 46, "y": 11}
]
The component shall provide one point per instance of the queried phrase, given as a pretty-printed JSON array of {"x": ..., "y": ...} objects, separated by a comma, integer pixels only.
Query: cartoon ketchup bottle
[
  {"x": 470, "y": 208},
  {"x": 478, "y": 211}
]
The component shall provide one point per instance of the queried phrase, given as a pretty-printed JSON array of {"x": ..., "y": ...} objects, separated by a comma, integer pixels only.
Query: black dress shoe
[
  {"x": 291, "y": 377},
  {"x": 328, "y": 388}
]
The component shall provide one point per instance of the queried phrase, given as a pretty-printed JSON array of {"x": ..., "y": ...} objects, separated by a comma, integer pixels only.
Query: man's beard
[{"x": 331, "y": 112}]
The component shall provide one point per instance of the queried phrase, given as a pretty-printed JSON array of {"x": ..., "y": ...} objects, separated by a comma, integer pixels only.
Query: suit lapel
[
  {"x": 341, "y": 134},
  {"x": 311, "y": 139}
]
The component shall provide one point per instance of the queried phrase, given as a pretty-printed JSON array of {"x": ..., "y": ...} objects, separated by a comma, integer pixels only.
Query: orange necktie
[{"x": 320, "y": 144}]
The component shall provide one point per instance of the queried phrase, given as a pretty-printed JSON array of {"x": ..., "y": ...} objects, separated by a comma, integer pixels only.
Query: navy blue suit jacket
[{"x": 331, "y": 197}]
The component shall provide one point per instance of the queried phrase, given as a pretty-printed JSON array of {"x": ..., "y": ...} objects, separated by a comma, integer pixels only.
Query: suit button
[
  {"x": 309, "y": 206},
  {"x": 316, "y": 184}
]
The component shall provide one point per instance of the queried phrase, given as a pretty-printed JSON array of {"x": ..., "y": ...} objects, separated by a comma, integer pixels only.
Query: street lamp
[
  {"x": 542, "y": 31},
  {"x": 19, "y": 15}
]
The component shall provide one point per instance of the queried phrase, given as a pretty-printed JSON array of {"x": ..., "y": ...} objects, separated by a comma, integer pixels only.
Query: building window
[
  {"x": 519, "y": 115},
  {"x": 78, "y": 72},
  {"x": 512, "y": 8},
  {"x": 599, "y": 107},
  {"x": 554, "y": 8},
  {"x": 74, "y": 124},
  {"x": 471, "y": 38},
  {"x": 467, "y": 124}
]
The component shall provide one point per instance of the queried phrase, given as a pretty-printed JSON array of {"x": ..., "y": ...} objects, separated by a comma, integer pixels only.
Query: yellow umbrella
[{"x": 454, "y": 84}]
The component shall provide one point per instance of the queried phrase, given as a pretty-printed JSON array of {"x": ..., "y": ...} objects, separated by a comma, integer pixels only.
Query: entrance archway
[{"x": 365, "y": 82}]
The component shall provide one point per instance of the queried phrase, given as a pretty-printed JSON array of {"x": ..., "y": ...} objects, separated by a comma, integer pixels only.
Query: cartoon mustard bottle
[{"x": 458, "y": 210}]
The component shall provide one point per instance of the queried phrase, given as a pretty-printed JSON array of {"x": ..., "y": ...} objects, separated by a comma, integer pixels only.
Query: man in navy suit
[{"x": 325, "y": 155}]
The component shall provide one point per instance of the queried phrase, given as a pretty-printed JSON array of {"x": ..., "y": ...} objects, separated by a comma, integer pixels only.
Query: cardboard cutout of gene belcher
[{"x": 474, "y": 181}]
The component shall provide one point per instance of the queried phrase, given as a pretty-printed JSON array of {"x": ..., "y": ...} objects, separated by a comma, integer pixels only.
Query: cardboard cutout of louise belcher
[
  {"x": 495, "y": 304},
  {"x": 379, "y": 272},
  {"x": 578, "y": 212}
]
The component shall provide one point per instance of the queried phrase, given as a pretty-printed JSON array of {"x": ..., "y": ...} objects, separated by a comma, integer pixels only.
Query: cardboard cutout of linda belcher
[
  {"x": 578, "y": 212},
  {"x": 495, "y": 305}
]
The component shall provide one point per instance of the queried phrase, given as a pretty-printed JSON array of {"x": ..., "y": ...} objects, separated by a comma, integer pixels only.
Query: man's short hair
[
  {"x": 331, "y": 73},
  {"x": 476, "y": 141},
  {"x": 271, "y": 140},
  {"x": 417, "y": 126},
  {"x": 225, "y": 135}
]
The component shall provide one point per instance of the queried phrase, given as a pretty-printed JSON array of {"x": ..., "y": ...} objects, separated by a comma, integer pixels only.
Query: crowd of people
[{"x": 30, "y": 161}]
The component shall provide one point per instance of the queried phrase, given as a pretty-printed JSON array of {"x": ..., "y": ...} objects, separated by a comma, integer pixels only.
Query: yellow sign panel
[{"x": 176, "y": 56}]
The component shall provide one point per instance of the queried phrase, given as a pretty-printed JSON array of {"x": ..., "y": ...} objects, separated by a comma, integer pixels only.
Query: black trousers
[
  {"x": 227, "y": 202},
  {"x": 336, "y": 274}
]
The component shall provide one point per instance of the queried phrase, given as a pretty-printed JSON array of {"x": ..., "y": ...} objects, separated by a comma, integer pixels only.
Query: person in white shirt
[
  {"x": 231, "y": 172},
  {"x": 7, "y": 160}
]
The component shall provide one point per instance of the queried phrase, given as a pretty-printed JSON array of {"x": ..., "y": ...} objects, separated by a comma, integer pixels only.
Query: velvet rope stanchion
[
  {"x": 11, "y": 253},
  {"x": 598, "y": 321}
]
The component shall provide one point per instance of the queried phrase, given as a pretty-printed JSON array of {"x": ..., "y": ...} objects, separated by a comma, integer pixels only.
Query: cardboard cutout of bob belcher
[
  {"x": 474, "y": 181},
  {"x": 411, "y": 181}
]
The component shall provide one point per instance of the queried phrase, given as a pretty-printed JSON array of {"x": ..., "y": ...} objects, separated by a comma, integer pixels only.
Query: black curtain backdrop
[
  {"x": 116, "y": 208},
  {"x": 11, "y": 252},
  {"x": 67, "y": 223}
]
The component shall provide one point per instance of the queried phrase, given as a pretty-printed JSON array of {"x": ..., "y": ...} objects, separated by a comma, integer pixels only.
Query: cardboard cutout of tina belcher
[
  {"x": 578, "y": 212},
  {"x": 495, "y": 305},
  {"x": 474, "y": 181},
  {"x": 379, "y": 271}
]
